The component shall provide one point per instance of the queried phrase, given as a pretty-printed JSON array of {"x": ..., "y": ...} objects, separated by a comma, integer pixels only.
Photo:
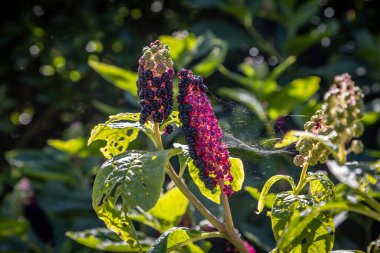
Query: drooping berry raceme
[
  {"x": 154, "y": 85},
  {"x": 339, "y": 120},
  {"x": 202, "y": 133}
]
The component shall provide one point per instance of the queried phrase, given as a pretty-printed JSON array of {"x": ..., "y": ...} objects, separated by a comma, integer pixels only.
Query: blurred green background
[{"x": 260, "y": 58}]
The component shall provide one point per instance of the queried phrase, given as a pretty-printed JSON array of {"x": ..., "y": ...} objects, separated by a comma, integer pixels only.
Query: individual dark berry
[
  {"x": 149, "y": 94},
  {"x": 156, "y": 82},
  {"x": 169, "y": 129},
  {"x": 161, "y": 92},
  {"x": 155, "y": 105},
  {"x": 183, "y": 73},
  {"x": 169, "y": 85},
  {"x": 165, "y": 77},
  {"x": 148, "y": 74},
  {"x": 157, "y": 117}
]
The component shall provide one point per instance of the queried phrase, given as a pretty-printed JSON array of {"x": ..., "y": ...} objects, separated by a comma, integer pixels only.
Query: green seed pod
[
  {"x": 147, "y": 55},
  {"x": 169, "y": 63},
  {"x": 309, "y": 126},
  {"x": 299, "y": 160},
  {"x": 150, "y": 64},
  {"x": 160, "y": 68},
  {"x": 158, "y": 58},
  {"x": 358, "y": 129},
  {"x": 357, "y": 146},
  {"x": 323, "y": 157},
  {"x": 312, "y": 160},
  {"x": 165, "y": 53},
  {"x": 154, "y": 48}
]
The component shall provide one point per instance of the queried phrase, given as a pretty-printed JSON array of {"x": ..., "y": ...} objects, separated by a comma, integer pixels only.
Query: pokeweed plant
[
  {"x": 303, "y": 221},
  {"x": 128, "y": 187}
]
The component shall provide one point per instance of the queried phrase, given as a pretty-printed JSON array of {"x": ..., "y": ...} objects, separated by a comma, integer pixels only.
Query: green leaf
[
  {"x": 237, "y": 171},
  {"x": 135, "y": 176},
  {"x": 121, "y": 78},
  {"x": 118, "y": 132},
  {"x": 321, "y": 188},
  {"x": 170, "y": 208},
  {"x": 103, "y": 239},
  {"x": 268, "y": 185},
  {"x": 166, "y": 213},
  {"x": 180, "y": 48},
  {"x": 183, "y": 157},
  {"x": 117, "y": 221},
  {"x": 356, "y": 175},
  {"x": 303, "y": 14},
  {"x": 347, "y": 251},
  {"x": 213, "y": 195},
  {"x": 172, "y": 119},
  {"x": 278, "y": 70},
  {"x": 216, "y": 57},
  {"x": 135, "y": 179},
  {"x": 240, "y": 79},
  {"x": 286, "y": 99},
  {"x": 293, "y": 136},
  {"x": 370, "y": 118},
  {"x": 19, "y": 227},
  {"x": 255, "y": 193},
  {"x": 301, "y": 222},
  {"x": 44, "y": 164},
  {"x": 178, "y": 237},
  {"x": 75, "y": 146},
  {"x": 143, "y": 217},
  {"x": 297, "y": 44},
  {"x": 316, "y": 236}
]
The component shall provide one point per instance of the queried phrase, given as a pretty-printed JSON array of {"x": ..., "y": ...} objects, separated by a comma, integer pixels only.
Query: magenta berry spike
[
  {"x": 154, "y": 85},
  {"x": 202, "y": 133}
]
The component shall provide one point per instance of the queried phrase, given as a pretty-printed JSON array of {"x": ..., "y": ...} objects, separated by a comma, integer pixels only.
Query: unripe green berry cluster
[
  {"x": 156, "y": 58},
  {"x": 339, "y": 120}
]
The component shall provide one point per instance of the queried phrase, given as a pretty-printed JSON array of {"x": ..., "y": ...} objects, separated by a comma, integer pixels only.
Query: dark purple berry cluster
[
  {"x": 154, "y": 85},
  {"x": 202, "y": 133}
]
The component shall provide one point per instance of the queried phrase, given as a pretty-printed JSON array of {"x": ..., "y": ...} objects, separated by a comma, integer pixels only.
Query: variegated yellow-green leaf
[
  {"x": 133, "y": 179},
  {"x": 178, "y": 237},
  {"x": 213, "y": 195},
  {"x": 118, "y": 132},
  {"x": 237, "y": 171},
  {"x": 268, "y": 185}
]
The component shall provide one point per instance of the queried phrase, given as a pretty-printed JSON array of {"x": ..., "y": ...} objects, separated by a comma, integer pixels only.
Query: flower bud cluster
[
  {"x": 344, "y": 108},
  {"x": 154, "y": 85},
  {"x": 339, "y": 119},
  {"x": 202, "y": 133}
]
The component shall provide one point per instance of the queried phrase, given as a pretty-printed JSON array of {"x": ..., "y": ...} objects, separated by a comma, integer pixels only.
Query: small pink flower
[{"x": 202, "y": 133}]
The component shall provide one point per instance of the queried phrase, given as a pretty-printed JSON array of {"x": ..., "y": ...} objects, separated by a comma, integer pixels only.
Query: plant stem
[
  {"x": 157, "y": 136},
  {"x": 227, "y": 209},
  {"x": 370, "y": 201},
  {"x": 342, "y": 153},
  {"x": 233, "y": 236},
  {"x": 193, "y": 200},
  {"x": 226, "y": 229},
  {"x": 302, "y": 181}
]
